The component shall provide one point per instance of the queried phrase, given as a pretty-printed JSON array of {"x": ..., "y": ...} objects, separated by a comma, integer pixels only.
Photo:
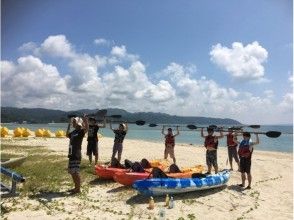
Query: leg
[
  {"x": 208, "y": 162},
  {"x": 77, "y": 181},
  {"x": 89, "y": 152},
  {"x": 248, "y": 168},
  {"x": 120, "y": 148},
  {"x": 230, "y": 157},
  {"x": 90, "y": 158},
  {"x": 96, "y": 152},
  {"x": 114, "y": 150},
  {"x": 235, "y": 155},
  {"x": 165, "y": 153},
  {"x": 243, "y": 177},
  {"x": 215, "y": 166},
  {"x": 172, "y": 154}
]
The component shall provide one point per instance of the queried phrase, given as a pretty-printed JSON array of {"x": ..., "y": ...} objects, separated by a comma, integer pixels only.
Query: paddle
[
  {"x": 193, "y": 127},
  {"x": 138, "y": 122},
  {"x": 271, "y": 134}
]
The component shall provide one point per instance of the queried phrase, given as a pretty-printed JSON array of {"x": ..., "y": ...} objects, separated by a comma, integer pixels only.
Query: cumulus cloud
[
  {"x": 102, "y": 41},
  {"x": 121, "y": 80},
  {"x": 241, "y": 62}
]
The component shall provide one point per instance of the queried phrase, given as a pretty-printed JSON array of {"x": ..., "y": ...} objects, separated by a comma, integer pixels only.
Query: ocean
[{"x": 284, "y": 143}]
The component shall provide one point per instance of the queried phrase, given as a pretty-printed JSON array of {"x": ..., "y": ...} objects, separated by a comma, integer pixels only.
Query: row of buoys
[{"x": 25, "y": 132}]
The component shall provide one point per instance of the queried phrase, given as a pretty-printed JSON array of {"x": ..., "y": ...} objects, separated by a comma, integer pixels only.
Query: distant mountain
[{"x": 40, "y": 115}]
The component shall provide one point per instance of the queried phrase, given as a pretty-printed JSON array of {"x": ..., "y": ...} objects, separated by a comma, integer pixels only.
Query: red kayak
[
  {"x": 128, "y": 178},
  {"x": 106, "y": 172}
]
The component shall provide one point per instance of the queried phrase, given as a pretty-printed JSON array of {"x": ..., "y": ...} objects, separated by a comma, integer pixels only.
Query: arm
[
  {"x": 85, "y": 124},
  {"x": 127, "y": 127},
  {"x": 110, "y": 125},
  {"x": 257, "y": 140},
  {"x": 202, "y": 134},
  {"x": 177, "y": 131},
  {"x": 68, "y": 128},
  {"x": 162, "y": 131},
  {"x": 104, "y": 123},
  {"x": 221, "y": 135}
]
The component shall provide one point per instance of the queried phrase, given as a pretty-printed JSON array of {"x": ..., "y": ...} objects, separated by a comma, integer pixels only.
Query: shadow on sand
[
  {"x": 120, "y": 189},
  {"x": 141, "y": 199},
  {"x": 48, "y": 196},
  {"x": 100, "y": 181}
]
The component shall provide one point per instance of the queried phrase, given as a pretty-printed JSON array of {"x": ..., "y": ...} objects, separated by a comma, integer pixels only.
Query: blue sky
[{"x": 207, "y": 58}]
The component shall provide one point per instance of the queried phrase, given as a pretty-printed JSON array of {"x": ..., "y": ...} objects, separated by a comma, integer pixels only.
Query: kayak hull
[{"x": 157, "y": 187}]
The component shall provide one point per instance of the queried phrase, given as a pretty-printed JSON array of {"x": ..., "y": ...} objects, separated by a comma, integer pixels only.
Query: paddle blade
[
  {"x": 273, "y": 134},
  {"x": 115, "y": 116},
  {"x": 254, "y": 126},
  {"x": 152, "y": 125},
  {"x": 140, "y": 122},
  {"x": 192, "y": 127},
  {"x": 71, "y": 115},
  {"x": 213, "y": 126}
]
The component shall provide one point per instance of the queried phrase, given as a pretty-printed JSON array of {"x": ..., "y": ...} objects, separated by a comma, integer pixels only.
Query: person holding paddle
[
  {"x": 170, "y": 143},
  {"x": 211, "y": 143},
  {"x": 245, "y": 152},
  {"x": 232, "y": 148},
  {"x": 120, "y": 134},
  {"x": 74, "y": 152},
  {"x": 92, "y": 147}
]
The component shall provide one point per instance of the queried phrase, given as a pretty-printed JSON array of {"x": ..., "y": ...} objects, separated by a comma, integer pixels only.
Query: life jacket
[
  {"x": 209, "y": 142},
  {"x": 169, "y": 139},
  {"x": 244, "y": 149},
  {"x": 174, "y": 169},
  {"x": 158, "y": 173},
  {"x": 145, "y": 163},
  {"x": 137, "y": 167},
  {"x": 230, "y": 141}
]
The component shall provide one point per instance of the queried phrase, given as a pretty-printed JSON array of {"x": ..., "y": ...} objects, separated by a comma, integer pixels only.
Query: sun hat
[
  {"x": 79, "y": 121},
  {"x": 123, "y": 125}
]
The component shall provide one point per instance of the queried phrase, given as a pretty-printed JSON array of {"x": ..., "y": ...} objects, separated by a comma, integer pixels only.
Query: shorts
[
  {"x": 245, "y": 164},
  {"x": 211, "y": 158},
  {"x": 169, "y": 150},
  {"x": 92, "y": 148},
  {"x": 232, "y": 152},
  {"x": 117, "y": 147},
  {"x": 74, "y": 166}
]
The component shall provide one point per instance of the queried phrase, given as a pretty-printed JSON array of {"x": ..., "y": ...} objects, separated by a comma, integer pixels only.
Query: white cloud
[
  {"x": 242, "y": 62},
  {"x": 57, "y": 46},
  {"x": 102, "y": 41},
  {"x": 29, "y": 47}
]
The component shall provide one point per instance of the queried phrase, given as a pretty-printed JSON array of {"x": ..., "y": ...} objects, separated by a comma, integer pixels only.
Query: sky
[{"x": 225, "y": 59}]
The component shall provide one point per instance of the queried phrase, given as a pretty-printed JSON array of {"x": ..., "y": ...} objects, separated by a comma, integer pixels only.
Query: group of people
[{"x": 83, "y": 125}]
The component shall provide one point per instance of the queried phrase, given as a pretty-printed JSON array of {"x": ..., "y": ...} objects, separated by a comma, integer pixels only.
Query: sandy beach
[{"x": 271, "y": 196}]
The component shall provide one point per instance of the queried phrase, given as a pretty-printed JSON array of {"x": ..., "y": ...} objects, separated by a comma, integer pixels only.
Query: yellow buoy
[
  {"x": 4, "y": 131},
  {"x": 39, "y": 132},
  {"x": 26, "y": 132},
  {"x": 47, "y": 133},
  {"x": 17, "y": 132},
  {"x": 60, "y": 133}
]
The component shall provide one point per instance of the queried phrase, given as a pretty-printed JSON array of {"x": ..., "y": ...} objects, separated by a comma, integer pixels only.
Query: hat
[
  {"x": 79, "y": 121},
  {"x": 123, "y": 125},
  {"x": 169, "y": 129},
  {"x": 209, "y": 129}
]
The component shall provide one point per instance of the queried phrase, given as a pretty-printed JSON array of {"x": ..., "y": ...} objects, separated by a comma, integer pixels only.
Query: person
[
  {"x": 120, "y": 134},
  {"x": 211, "y": 143},
  {"x": 92, "y": 147},
  {"x": 80, "y": 126},
  {"x": 245, "y": 153},
  {"x": 232, "y": 148},
  {"x": 170, "y": 143}
]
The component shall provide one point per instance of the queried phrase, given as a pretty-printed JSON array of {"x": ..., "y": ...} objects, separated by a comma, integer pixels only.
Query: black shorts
[
  {"x": 92, "y": 148},
  {"x": 245, "y": 164},
  {"x": 211, "y": 158}
]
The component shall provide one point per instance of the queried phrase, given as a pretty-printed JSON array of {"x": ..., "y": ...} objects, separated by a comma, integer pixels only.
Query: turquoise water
[{"x": 284, "y": 143}]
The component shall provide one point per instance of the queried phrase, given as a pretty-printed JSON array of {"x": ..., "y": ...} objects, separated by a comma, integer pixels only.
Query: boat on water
[
  {"x": 12, "y": 162},
  {"x": 163, "y": 186}
]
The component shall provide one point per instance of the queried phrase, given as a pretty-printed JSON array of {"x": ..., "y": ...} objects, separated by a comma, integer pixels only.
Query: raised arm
[
  {"x": 85, "y": 124},
  {"x": 221, "y": 135},
  {"x": 110, "y": 125},
  {"x": 178, "y": 132},
  {"x": 202, "y": 134},
  {"x": 104, "y": 123},
  {"x": 127, "y": 127},
  {"x": 257, "y": 140},
  {"x": 162, "y": 130},
  {"x": 68, "y": 127}
]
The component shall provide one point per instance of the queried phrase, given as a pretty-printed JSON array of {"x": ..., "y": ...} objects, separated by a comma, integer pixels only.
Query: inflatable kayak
[
  {"x": 128, "y": 178},
  {"x": 156, "y": 187},
  {"x": 107, "y": 172},
  {"x": 12, "y": 162}
]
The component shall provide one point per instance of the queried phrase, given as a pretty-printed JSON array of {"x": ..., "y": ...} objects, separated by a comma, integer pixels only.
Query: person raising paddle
[
  {"x": 170, "y": 143},
  {"x": 232, "y": 148},
  {"x": 245, "y": 152},
  {"x": 211, "y": 143},
  {"x": 74, "y": 152},
  {"x": 120, "y": 134},
  {"x": 92, "y": 147}
]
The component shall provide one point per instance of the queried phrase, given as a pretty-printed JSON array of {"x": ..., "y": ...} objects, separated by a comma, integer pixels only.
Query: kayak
[
  {"x": 128, "y": 178},
  {"x": 107, "y": 172},
  {"x": 157, "y": 187},
  {"x": 12, "y": 162}
]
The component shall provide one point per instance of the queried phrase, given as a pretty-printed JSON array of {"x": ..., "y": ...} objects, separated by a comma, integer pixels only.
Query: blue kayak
[{"x": 158, "y": 186}]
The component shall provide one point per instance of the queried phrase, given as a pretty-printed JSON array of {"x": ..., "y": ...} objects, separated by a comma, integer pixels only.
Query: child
[
  {"x": 92, "y": 147},
  {"x": 232, "y": 148},
  {"x": 120, "y": 134},
  {"x": 245, "y": 152},
  {"x": 74, "y": 153},
  {"x": 211, "y": 143},
  {"x": 170, "y": 143}
]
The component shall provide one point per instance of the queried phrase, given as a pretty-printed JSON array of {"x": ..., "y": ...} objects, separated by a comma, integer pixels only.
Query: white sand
[{"x": 271, "y": 196}]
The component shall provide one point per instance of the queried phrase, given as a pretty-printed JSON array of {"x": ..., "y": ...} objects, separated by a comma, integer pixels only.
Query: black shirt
[
  {"x": 75, "y": 144},
  {"x": 92, "y": 133},
  {"x": 119, "y": 136}
]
